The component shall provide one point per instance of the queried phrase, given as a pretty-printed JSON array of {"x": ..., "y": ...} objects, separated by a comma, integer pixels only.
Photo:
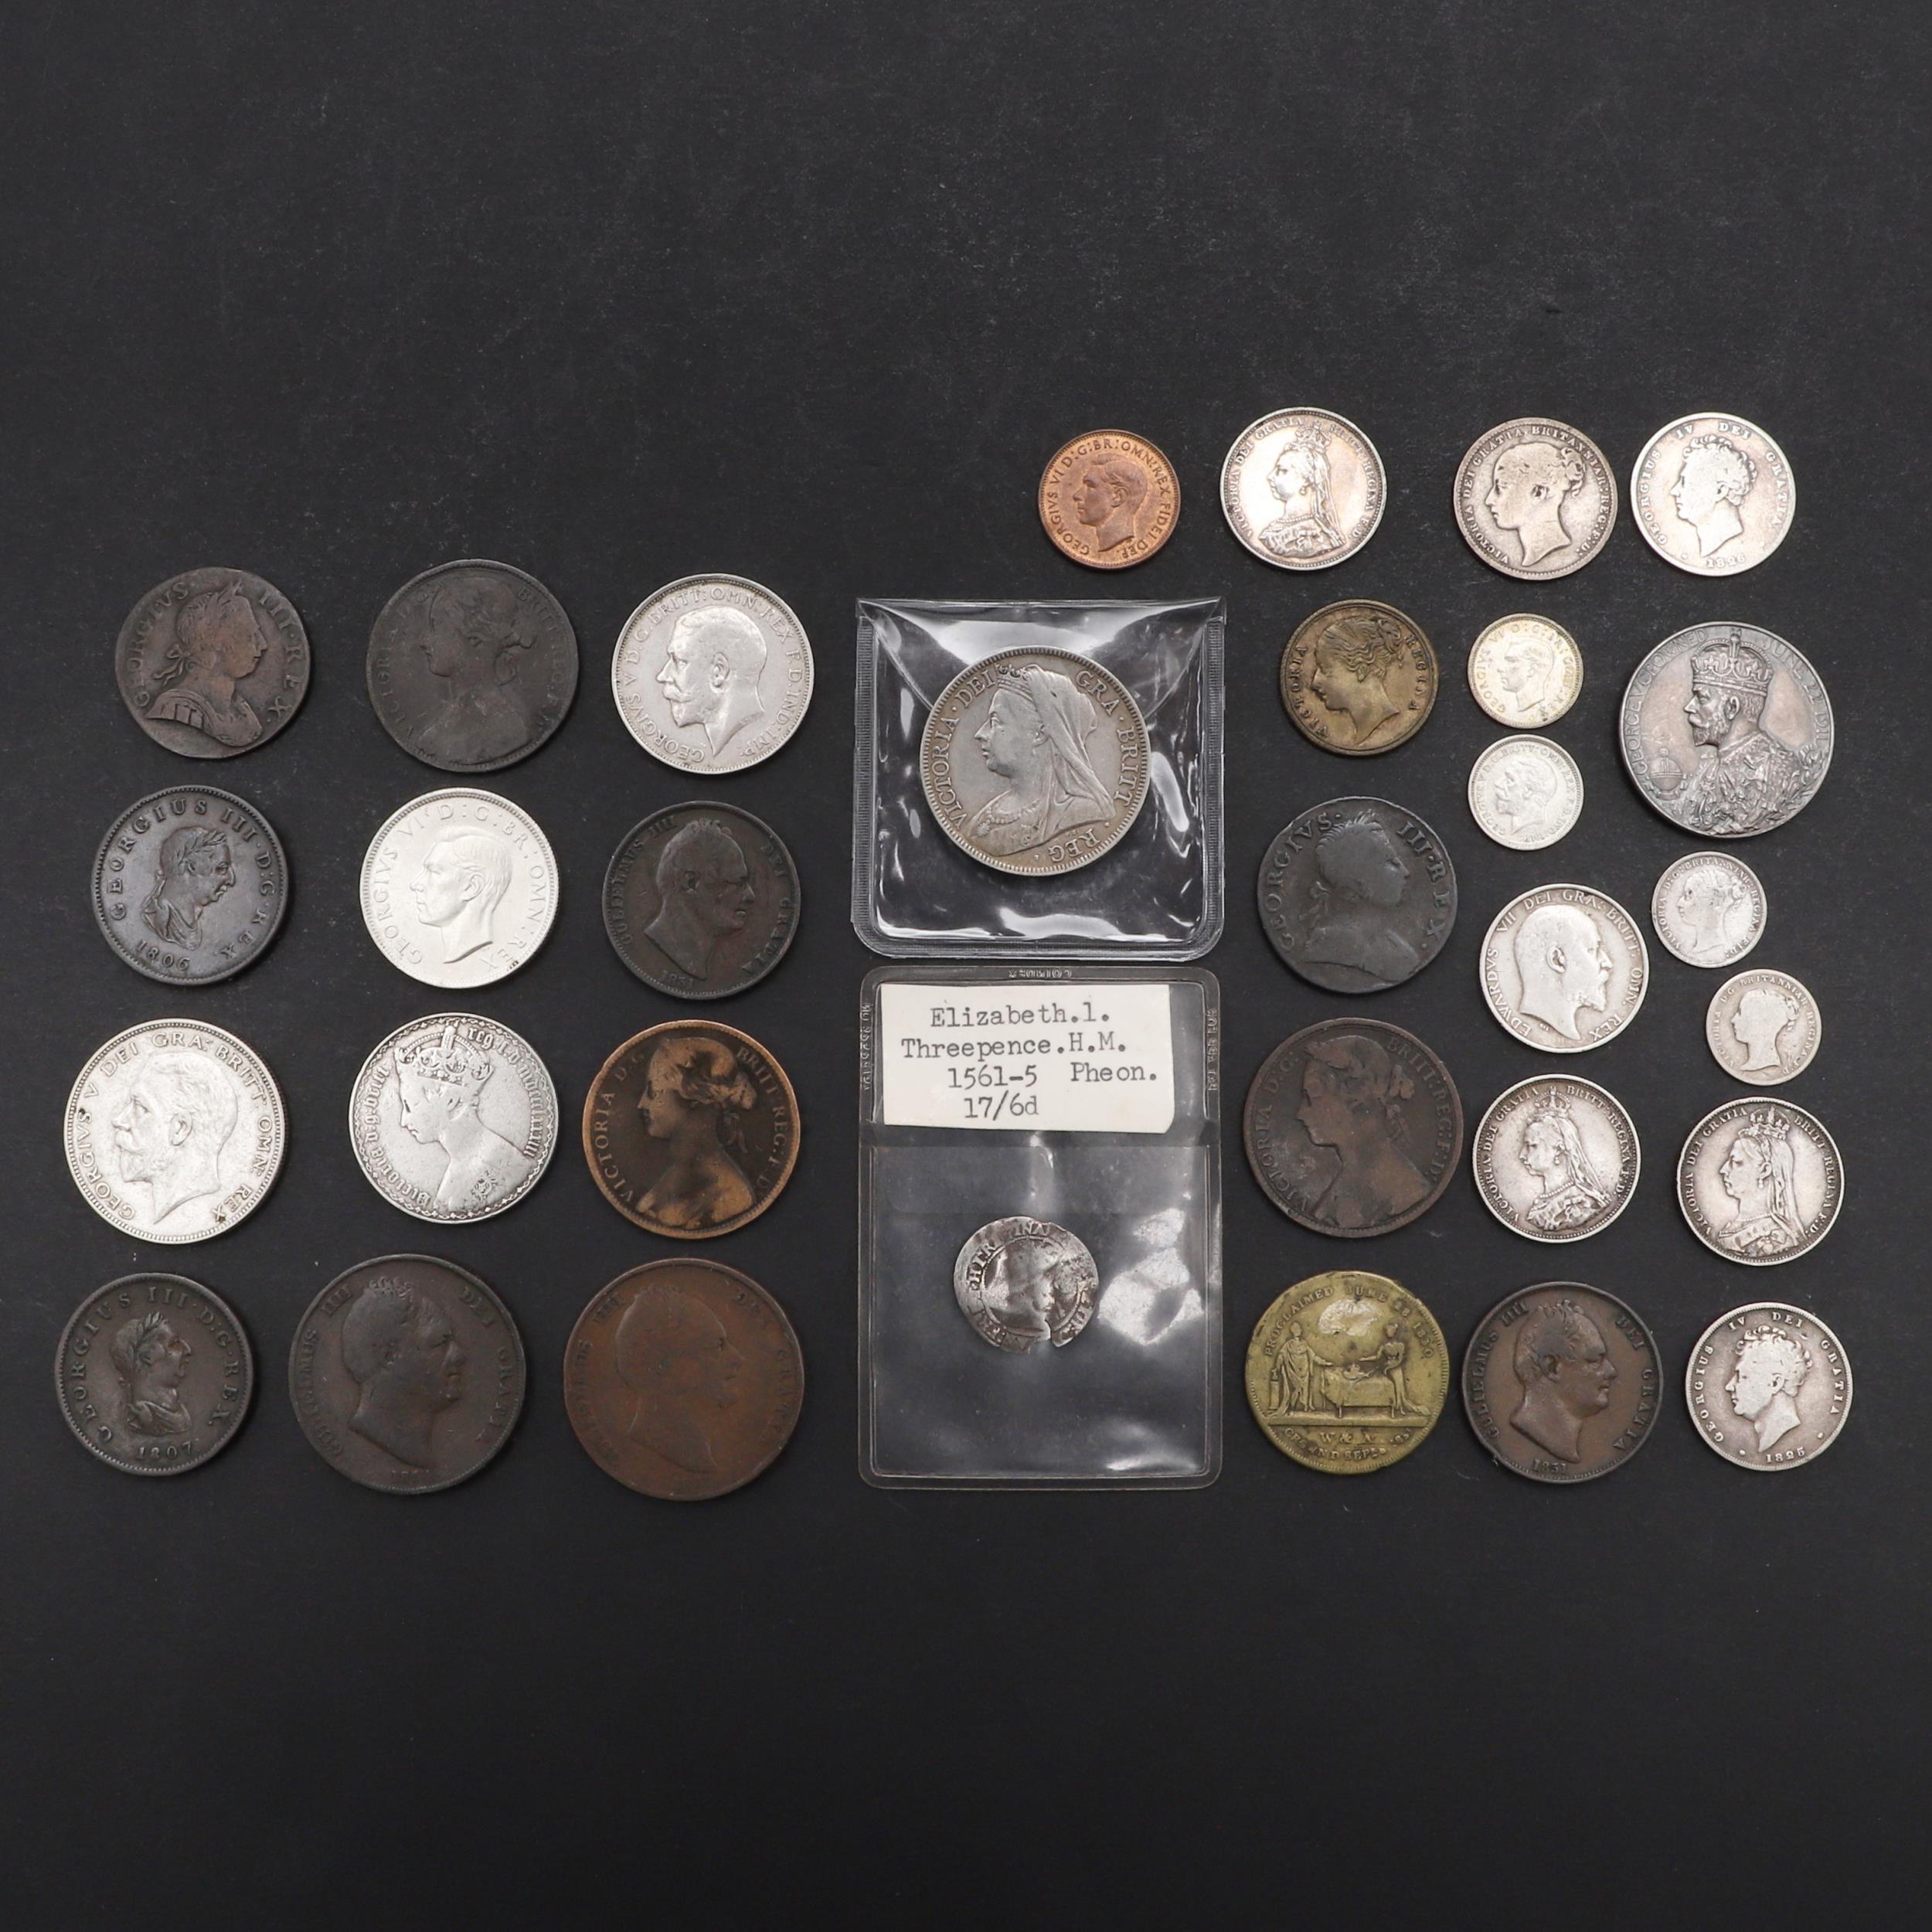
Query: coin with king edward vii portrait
[{"x": 1564, "y": 968}]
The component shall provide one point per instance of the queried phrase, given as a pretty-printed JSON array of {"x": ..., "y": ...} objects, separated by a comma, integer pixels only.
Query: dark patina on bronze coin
[
  {"x": 1357, "y": 895},
  {"x": 1359, "y": 677},
  {"x": 472, "y": 665},
  {"x": 691, "y": 1129},
  {"x": 213, "y": 662},
  {"x": 1561, "y": 1382},
  {"x": 701, "y": 900},
  {"x": 406, "y": 1373},
  {"x": 1352, "y": 1126},
  {"x": 683, "y": 1380}
]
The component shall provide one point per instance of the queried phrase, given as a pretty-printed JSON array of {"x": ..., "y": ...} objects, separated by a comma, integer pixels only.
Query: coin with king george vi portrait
[
  {"x": 453, "y": 1118},
  {"x": 175, "y": 1131},
  {"x": 154, "y": 1374},
  {"x": 1035, "y": 761},
  {"x": 1564, "y": 968},
  {"x": 407, "y": 1374},
  {"x": 1760, "y": 1182},
  {"x": 701, "y": 900},
  {"x": 1709, "y": 909},
  {"x": 1525, "y": 671},
  {"x": 1526, "y": 792},
  {"x": 1357, "y": 895},
  {"x": 1726, "y": 730},
  {"x": 1358, "y": 677},
  {"x": 471, "y": 665},
  {"x": 1713, "y": 493},
  {"x": 712, "y": 674},
  {"x": 1556, "y": 1159},
  {"x": 1763, "y": 1027},
  {"x": 1535, "y": 498},
  {"x": 1108, "y": 499},
  {"x": 1303, "y": 488},
  {"x": 459, "y": 888},
  {"x": 1561, "y": 1382},
  {"x": 1022, "y": 1282},
  {"x": 1769, "y": 1386},
  {"x": 190, "y": 885},
  {"x": 213, "y": 662}
]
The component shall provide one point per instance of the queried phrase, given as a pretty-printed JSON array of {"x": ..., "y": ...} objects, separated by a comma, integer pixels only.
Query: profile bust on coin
[
  {"x": 1535, "y": 499},
  {"x": 1109, "y": 499},
  {"x": 1358, "y": 677},
  {"x": 1760, "y": 1182},
  {"x": 1763, "y": 1027},
  {"x": 1556, "y": 1159},
  {"x": 1303, "y": 488},
  {"x": 1768, "y": 1386},
  {"x": 1713, "y": 493},
  {"x": 1525, "y": 671},
  {"x": 1021, "y": 1282}
]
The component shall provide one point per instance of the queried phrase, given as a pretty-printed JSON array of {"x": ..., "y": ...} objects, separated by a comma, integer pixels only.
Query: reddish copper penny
[{"x": 1109, "y": 499}]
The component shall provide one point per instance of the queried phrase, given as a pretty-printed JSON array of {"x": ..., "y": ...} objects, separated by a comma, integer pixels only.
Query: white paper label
[{"x": 1062, "y": 1056}]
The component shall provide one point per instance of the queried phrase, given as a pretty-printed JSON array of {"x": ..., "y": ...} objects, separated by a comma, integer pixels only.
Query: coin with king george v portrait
[
  {"x": 1526, "y": 792},
  {"x": 1763, "y": 1027},
  {"x": 1357, "y": 895},
  {"x": 1769, "y": 1386},
  {"x": 190, "y": 885},
  {"x": 213, "y": 662},
  {"x": 1108, "y": 499},
  {"x": 1303, "y": 488},
  {"x": 1564, "y": 968},
  {"x": 154, "y": 1374},
  {"x": 1760, "y": 1182},
  {"x": 1358, "y": 677},
  {"x": 1023, "y": 1282},
  {"x": 1535, "y": 498},
  {"x": 1713, "y": 493},
  {"x": 1556, "y": 1159},
  {"x": 1525, "y": 671},
  {"x": 1709, "y": 908}
]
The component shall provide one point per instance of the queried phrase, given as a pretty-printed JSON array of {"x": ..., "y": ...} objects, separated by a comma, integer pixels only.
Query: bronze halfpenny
[
  {"x": 1359, "y": 677},
  {"x": 1109, "y": 499}
]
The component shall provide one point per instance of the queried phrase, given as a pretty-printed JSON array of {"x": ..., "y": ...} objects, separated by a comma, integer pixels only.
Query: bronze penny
[
  {"x": 1359, "y": 677},
  {"x": 691, "y": 1130},
  {"x": 1109, "y": 499},
  {"x": 683, "y": 1380},
  {"x": 1353, "y": 1127}
]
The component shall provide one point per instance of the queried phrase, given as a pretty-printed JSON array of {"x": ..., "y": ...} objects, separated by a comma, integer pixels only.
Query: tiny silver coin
[
  {"x": 1535, "y": 498},
  {"x": 1763, "y": 1027},
  {"x": 1564, "y": 968},
  {"x": 1556, "y": 1159},
  {"x": 1769, "y": 1386},
  {"x": 1713, "y": 493},
  {"x": 1709, "y": 909},
  {"x": 1526, "y": 792},
  {"x": 1760, "y": 1182},
  {"x": 1303, "y": 488},
  {"x": 1023, "y": 1282},
  {"x": 1525, "y": 671}
]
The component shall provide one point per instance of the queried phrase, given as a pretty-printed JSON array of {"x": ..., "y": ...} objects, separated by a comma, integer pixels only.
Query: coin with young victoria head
[
  {"x": 1526, "y": 792},
  {"x": 1713, "y": 493},
  {"x": 1564, "y": 968},
  {"x": 1556, "y": 1159},
  {"x": 1303, "y": 488},
  {"x": 1023, "y": 1282},
  {"x": 1709, "y": 908},
  {"x": 1763, "y": 1027},
  {"x": 1109, "y": 499},
  {"x": 1525, "y": 671},
  {"x": 154, "y": 1374},
  {"x": 1535, "y": 498},
  {"x": 1760, "y": 1182},
  {"x": 1358, "y": 677},
  {"x": 213, "y": 662},
  {"x": 1769, "y": 1386}
]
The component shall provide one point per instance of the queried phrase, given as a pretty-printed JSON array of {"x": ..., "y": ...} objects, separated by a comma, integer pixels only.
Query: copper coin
[
  {"x": 1359, "y": 677},
  {"x": 683, "y": 1380},
  {"x": 1109, "y": 499},
  {"x": 691, "y": 1130}
]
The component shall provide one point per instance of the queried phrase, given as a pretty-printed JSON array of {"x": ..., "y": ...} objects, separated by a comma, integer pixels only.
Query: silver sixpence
[
  {"x": 1535, "y": 498},
  {"x": 175, "y": 1131},
  {"x": 1303, "y": 488},
  {"x": 453, "y": 1118},
  {"x": 1709, "y": 909},
  {"x": 1525, "y": 671},
  {"x": 1556, "y": 1159},
  {"x": 1526, "y": 792},
  {"x": 1564, "y": 968},
  {"x": 459, "y": 888},
  {"x": 1713, "y": 493},
  {"x": 711, "y": 673},
  {"x": 1763, "y": 1027},
  {"x": 1726, "y": 730},
  {"x": 1769, "y": 1386},
  {"x": 1760, "y": 1182},
  {"x": 1022, "y": 1282}
]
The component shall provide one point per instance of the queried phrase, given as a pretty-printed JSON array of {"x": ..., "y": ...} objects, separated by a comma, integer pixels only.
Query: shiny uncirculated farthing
[
  {"x": 712, "y": 674},
  {"x": 1556, "y": 1159},
  {"x": 1535, "y": 498},
  {"x": 1726, "y": 730},
  {"x": 1760, "y": 1182},
  {"x": 1358, "y": 677},
  {"x": 1109, "y": 499},
  {"x": 154, "y": 1374},
  {"x": 1357, "y": 895},
  {"x": 1709, "y": 908},
  {"x": 1564, "y": 968},
  {"x": 1303, "y": 488},
  {"x": 1763, "y": 1027},
  {"x": 1526, "y": 792},
  {"x": 1769, "y": 1386},
  {"x": 459, "y": 888},
  {"x": 1713, "y": 493},
  {"x": 175, "y": 1131},
  {"x": 1035, "y": 761},
  {"x": 1347, "y": 1372},
  {"x": 1023, "y": 1282},
  {"x": 1525, "y": 671},
  {"x": 190, "y": 885}
]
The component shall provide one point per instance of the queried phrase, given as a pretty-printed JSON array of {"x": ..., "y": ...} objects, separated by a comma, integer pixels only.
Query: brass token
[
  {"x": 1359, "y": 677},
  {"x": 1109, "y": 499}
]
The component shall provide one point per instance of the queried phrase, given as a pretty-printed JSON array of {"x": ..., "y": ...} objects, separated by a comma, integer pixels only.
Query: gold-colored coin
[
  {"x": 1359, "y": 677},
  {"x": 1347, "y": 1371}
]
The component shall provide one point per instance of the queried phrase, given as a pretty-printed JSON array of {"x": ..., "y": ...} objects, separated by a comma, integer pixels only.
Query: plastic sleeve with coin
[{"x": 1040, "y": 1271}]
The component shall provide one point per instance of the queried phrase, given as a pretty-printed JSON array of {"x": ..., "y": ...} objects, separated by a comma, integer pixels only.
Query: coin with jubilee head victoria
[{"x": 1303, "y": 488}]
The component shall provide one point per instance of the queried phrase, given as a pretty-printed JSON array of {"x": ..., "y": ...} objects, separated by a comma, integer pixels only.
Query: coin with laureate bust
[
  {"x": 1525, "y": 671},
  {"x": 1358, "y": 677},
  {"x": 213, "y": 662},
  {"x": 1713, "y": 493},
  {"x": 1760, "y": 1182},
  {"x": 1556, "y": 1159},
  {"x": 1564, "y": 968},
  {"x": 1109, "y": 499},
  {"x": 1022, "y": 1282},
  {"x": 1303, "y": 488},
  {"x": 1535, "y": 498},
  {"x": 1769, "y": 1386},
  {"x": 154, "y": 1374},
  {"x": 1709, "y": 908},
  {"x": 1763, "y": 1027},
  {"x": 1526, "y": 792},
  {"x": 1346, "y": 1372}
]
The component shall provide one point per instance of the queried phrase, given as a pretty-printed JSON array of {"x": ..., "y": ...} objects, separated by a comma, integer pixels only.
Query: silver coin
[
  {"x": 1057, "y": 768},
  {"x": 1726, "y": 730},
  {"x": 1022, "y": 1282},
  {"x": 1564, "y": 968},
  {"x": 1769, "y": 1386},
  {"x": 1535, "y": 498},
  {"x": 459, "y": 888},
  {"x": 1556, "y": 1159},
  {"x": 1709, "y": 908},
  {"x": 1525, "y": 671},
  {"x": 175, "y": 1131},
  {"x": 1303, "y": 488},
  {"x": 1713, "y": 493},
  {"x": 1526, "y": 792},
  {"x": 1763, "y": 1027},
  {"x": 1760, "y": 1182},
  {"x": 711, "y": 673},
  {"x": 453, "y": 1118}
]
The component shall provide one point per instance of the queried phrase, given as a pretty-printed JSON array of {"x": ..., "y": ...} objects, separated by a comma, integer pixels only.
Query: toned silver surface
[
  {"x": 1713, "y": 493},
  {"x": 1763, "y": 1027},
  {"x": 1022, "y": 1282},
  {"x": 1303, "y": 488},
  {"x": 1535, "y": 498},
  {"x": 1525, "y": 671},
  {"x": 1709, "y": 909},
  {"x": 1760, "y": 1182},
  {"x": 1555, "y": 1157},
  {"x": 1769, "y": 1386},
  {"x": 1526, "y": 792},
  {"x": 1564, "y": 968}
]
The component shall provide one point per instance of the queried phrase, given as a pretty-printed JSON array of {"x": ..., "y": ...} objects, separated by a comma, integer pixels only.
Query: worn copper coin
[
  {"x": 1535, "y": 498},
  {"x": 1109, "y": 499},
  {"x": 691, "y": 1129},
  {"x": 1358, "y": 677},
  {"x": 1769, "y": 1386},
  {"x": 1759, "y": 1180},
  {"x": 683, "y": 1380}
]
